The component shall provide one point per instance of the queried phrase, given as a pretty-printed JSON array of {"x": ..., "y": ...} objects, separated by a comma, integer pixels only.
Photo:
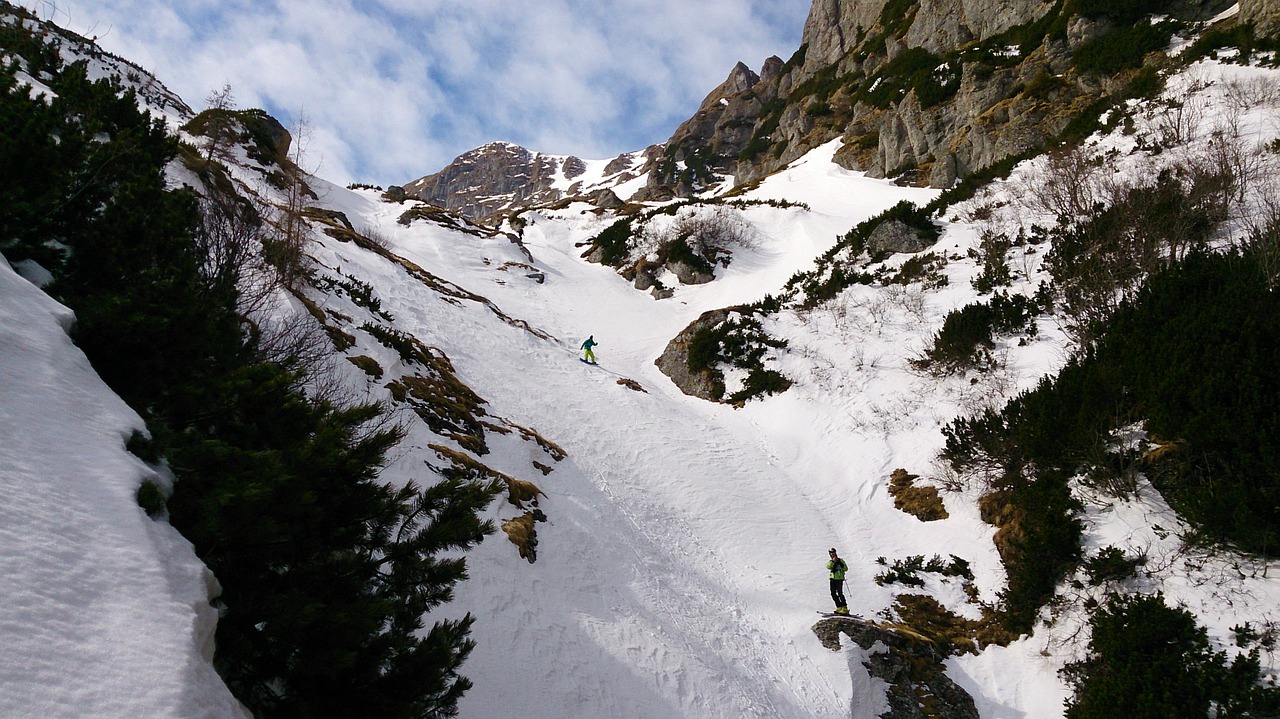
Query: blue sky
[{"x": 395, "y": 89}]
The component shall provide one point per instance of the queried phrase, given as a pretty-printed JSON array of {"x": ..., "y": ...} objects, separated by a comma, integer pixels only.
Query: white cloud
[{"x": 395, "y": 89}]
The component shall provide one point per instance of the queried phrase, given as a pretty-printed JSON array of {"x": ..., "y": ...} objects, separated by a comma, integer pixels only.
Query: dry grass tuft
[
  {"x": 368, "y": 365},
  {"x": 924, "y": 616},
  {"x": 521, "y": 532},
  {"x": 924, "y": 503},
  {"x": 520, "y": 491},
  {"x": 632, "y": 385}
]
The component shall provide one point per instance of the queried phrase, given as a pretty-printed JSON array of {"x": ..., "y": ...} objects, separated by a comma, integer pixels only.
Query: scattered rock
[
  {"x": 674, "y": 362},
  {"x": 688, "y": 274},
  {"x": 644, "y": 280},
  {"x": 910, "y": 664},
  {"x": 896, "y": 236},
  {"x": 607, "y": 199}
]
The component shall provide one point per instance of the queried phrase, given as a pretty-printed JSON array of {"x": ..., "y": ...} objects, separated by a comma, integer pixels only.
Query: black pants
[{"x": 837, "y": 592}]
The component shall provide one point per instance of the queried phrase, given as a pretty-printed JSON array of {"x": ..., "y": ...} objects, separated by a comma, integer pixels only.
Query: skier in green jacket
[
  {"x": 837, "y": 568},
  {"x": 587, "y": 354}
]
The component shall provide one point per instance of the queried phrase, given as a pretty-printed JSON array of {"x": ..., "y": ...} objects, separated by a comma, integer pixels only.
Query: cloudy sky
[{"x": 395, "y": 89}]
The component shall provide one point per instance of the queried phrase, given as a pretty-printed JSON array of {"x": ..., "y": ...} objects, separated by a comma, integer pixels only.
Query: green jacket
[{"x": 837, "y": 567}]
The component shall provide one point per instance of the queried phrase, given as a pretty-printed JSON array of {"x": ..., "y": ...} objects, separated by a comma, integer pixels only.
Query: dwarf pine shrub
[
  {"x": 327, "y": 573},
  {"x": 1148, "y": 660}
]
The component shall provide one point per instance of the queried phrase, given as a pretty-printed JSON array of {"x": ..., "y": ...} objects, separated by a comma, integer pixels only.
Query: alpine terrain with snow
[{"x": 660, "y": 536}]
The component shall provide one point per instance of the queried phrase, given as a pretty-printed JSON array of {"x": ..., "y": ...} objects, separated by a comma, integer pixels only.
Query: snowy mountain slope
[
  {"x": 103, "y": 610},
  {"x": 681, "y": 559},
  {"x": 649, "y": 556}
]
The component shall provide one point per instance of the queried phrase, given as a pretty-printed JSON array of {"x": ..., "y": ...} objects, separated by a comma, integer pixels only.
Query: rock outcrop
[
  {"x": 674, "y": 362},
  {"x": 490, "y": 179},
  {"x": 888, "y": 78},
  {"x": 857, "y": 76},
  {"x": 896, "y": 236},
  {"x": 721, "y": 127},
  {"x": 1264, "y": 14},
  {"x": 911, "y": 666}
]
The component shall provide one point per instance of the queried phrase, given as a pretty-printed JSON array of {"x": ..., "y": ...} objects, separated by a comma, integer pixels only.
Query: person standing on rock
[
  {"x": 836, "y": 567},
  {"x": 587, "y": 355}
]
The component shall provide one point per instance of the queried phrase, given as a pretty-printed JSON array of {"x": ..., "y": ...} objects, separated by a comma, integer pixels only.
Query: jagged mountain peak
[{"x": 499, "y": 177}]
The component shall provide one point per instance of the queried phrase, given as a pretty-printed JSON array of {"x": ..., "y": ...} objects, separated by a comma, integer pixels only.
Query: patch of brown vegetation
[
  {"x": 1162, "y": 450},
  {"x": 924, "y": 503},
  {"x": 518, "y": 490},
  {"x": 632, "y": 385},
  {"x": 520, "y": 530},
  {"x": 448, "y": 406},
  {"x": 552, "y": 449},
  {"x": 996, "y": 509},
  {"x": 341, "y": 340},
  {"x": 368, "y": 365},
  {"x": 924, "y": 617}
]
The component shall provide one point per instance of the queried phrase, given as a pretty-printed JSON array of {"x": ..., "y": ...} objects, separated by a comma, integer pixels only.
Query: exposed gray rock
[
  {"x": 941, "y": 25},
  {"x": 622, "y": 162},
  {"x": 573, "y": 167},
  {"x": 674, "y": 362},
  {"x": 607, "y": 199},
  {"x": 688, "y": 274},
  {"x": 495, "y": 178},
  {"x": 911, "y": 666},
  {"x": 660, "y": 193},
  {"x": 945, "y": 171},
  {"x": 395, "y": 193},
  {"x": 643, "y": 281},
  {"x": 488, "y": 179},
  {"x": 772, "y": 69},
  {"x": 723, "y": 125},
  {"x": 1264, "y": 14},
  {"x": 834, "y": 26},
  {"x": 895, "y": 236}
]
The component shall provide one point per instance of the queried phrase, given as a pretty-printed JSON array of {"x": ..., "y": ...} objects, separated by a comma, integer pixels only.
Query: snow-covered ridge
[{"x": 101, "y": 65}]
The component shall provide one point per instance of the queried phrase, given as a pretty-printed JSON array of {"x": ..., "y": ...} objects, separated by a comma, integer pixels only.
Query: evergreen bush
[
  {"x": 327, "y": 573},
  {"x": 1121, "y": 49},
  {"x": 1151, "y": 661},
  {"x": 613, "y": 242}
]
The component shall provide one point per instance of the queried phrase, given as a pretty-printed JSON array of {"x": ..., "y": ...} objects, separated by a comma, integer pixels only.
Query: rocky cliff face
[
  {"x": 932, "y": 89},
  {"x": 911, "y": 666},
  {"x": 1264, "y": 14},
  {"x": 929, "y": 91}
]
